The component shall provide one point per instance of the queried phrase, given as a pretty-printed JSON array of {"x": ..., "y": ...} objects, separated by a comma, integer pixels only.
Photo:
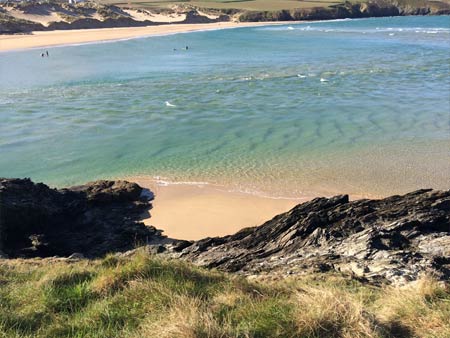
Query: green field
[{"x": 144, "y": 296}]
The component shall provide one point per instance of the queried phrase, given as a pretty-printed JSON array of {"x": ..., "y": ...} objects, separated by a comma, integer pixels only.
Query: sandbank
[
  {"x": 44, "y": 39},
  {"x": 195, "y": 211}
]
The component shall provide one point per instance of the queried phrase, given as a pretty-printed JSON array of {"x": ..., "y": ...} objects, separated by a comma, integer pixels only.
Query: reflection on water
[{"x": 339, "y": 106}]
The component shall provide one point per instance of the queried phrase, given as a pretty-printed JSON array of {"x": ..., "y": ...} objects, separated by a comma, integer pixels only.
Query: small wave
[
  {"x": 323, "y": 80},
  {"x": 168, "y": 104},
  {"x": 361, "y": 30},
  {"x": 338, "y": 20},
  {"x": 413, "y": 30},
  {"x": 301, "y": 76},
  {"x": 258, "y": 193},
  {"x": 165, "y": 183},
  {"x": 6, "y": 101}
]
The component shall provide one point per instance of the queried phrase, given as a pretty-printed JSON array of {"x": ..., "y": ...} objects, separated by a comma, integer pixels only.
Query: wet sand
[
  {"x": 188, "y": 211},
  {"x": 79, "y": 36}
]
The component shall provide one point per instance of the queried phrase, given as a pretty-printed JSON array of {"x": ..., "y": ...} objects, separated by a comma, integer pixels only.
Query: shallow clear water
[{"x": 358, "y": 106}]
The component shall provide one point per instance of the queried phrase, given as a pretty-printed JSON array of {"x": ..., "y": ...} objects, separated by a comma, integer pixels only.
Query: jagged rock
[
  {"x": 394, "y": 239},
  {"x": 110, "y": 191},
  {"x": 91, "y": 220},
  {"x": 155, "y": 249},
  {"x": 76, "y": 256}
]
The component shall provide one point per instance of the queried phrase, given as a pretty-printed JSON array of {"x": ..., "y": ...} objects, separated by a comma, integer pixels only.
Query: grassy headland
[{"x": 144, "y": 296}]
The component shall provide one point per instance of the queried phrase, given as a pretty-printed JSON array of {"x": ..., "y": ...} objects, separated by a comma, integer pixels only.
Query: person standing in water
[{"x": 46, "y": 52}]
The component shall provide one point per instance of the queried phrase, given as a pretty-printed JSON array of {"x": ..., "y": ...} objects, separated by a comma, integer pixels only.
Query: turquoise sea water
[{"x": 357, "y": 106}]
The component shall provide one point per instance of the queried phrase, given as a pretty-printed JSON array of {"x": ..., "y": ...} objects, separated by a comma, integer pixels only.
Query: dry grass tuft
[
  {"x": 420, "y": 309},
  {"x": 144, "y": 296},
  {"x": 330, "y": 312},
  {"x": 187, "y": 318}
]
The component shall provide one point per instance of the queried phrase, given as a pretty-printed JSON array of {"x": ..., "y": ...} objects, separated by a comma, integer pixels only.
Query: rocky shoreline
[
  {"x": 90, "y": 220},
  {"x": 394, "y": 240},
  {"x": 90, "y": 15}
]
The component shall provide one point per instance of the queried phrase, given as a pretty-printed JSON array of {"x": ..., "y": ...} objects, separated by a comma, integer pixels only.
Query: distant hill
[{"x": 24, "y": 17}]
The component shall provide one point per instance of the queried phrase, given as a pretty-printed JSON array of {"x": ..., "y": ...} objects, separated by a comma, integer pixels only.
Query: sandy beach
[
  {"x": 192, "y": 211},
  {"x": 79, "y": 36},
  {"x": 195, "y": 211}
]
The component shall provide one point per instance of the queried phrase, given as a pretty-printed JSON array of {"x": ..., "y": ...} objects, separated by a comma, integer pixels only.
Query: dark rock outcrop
[
  {"x": 93, "y": 219},
  {"x": 394, "y": 239}
]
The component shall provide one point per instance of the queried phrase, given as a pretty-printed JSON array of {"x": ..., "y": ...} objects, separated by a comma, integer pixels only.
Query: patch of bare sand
[
  {"x": 208, "y": 15},
  {"x": 43, "y": 19},
  {"x": 195, "y": 211},
  {"x": 143, "y": 15}
]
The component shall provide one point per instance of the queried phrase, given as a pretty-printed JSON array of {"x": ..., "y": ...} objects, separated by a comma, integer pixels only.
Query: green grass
[{"x": 144, "y": 296}]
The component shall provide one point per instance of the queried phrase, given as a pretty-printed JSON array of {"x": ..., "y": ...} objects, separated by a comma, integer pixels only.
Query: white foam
[
  {"x": 315, "y": 27},
  {"x": 168, "y": 104},
  {"x": 301, "y": 76},
  {"x": 6, "y": 101},
  {"x": 165, "y": 183},
  {"x": 323, "y": 80}
]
